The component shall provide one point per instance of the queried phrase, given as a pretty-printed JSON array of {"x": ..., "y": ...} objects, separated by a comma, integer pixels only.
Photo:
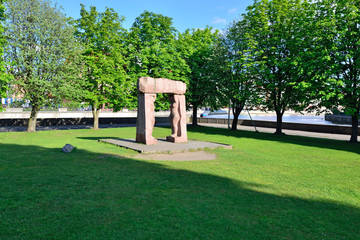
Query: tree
[
  {"x": 241, "y": 67},
  {"x": 197, "y": 48},
  {"x": 336, "y": 52},
  {"x": 106, "y": 82},
  {"x": 42, "y": 53},
  {"x": 3, "y": 75},
  {"x": 153, "y": 51},
  {"x": 278, "y": 29}
]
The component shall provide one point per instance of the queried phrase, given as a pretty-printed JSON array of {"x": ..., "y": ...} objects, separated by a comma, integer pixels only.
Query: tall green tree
[
  {"x": 42, "y": 52},
  {"x": 336, "y": 53},
  {"x": 106, "y": 81},
  {"x": 197, "y": 48},
  {"x": 153, "y": 51},
  {"x": 241, "y": 67},
  {"x": 278, "y": 29},
  {"x": 3, "y": 75}
]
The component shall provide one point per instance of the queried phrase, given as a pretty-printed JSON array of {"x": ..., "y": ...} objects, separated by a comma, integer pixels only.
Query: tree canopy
[
  {"x": 337, "y": 51},
  {"x": 278, "y": 28},
  {"x": 153, "y": 51},
  {"x": 239, "y": 66},
  {"x": 3, "y": 75},
  {"x": 106, "y": 82},
  {"x": 42, "y": 54},
  {"x": 197, "y": 47}
]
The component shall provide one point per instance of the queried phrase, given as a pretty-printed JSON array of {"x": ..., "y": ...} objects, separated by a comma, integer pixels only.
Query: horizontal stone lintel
[{"x": 161, "y": 85}]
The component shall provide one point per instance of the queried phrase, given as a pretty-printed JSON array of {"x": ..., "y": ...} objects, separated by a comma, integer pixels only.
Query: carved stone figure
[
  {"x": 147, "y": 88},
  {"x": 177, "y": 119}
]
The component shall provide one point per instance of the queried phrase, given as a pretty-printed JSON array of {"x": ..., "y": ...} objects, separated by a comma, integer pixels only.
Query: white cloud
[
  {"x": 221, "y": 32},
  {"x": 218, "y": 20},
  {"x": 232, "y": 10}
]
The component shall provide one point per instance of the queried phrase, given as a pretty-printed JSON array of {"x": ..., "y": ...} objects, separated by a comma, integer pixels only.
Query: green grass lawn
[{"x": 266, "y": 187}]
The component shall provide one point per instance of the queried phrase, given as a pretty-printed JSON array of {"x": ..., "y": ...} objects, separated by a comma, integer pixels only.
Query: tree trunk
[
  {"x": 236, "y": 112},
  {"x": 33, "y": 118},
  {"x": 279, "y": 116},
  {"x": 355, "y": 127},
  {"x": 96, "y": 113},
  {"x": 194, "y": 118}
]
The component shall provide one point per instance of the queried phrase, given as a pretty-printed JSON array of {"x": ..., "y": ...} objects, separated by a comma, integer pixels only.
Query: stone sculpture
[{"x": 147, "y": 90}]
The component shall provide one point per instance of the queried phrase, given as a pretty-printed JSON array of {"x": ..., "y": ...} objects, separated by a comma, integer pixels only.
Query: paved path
[{"x": 286, "y": 131}]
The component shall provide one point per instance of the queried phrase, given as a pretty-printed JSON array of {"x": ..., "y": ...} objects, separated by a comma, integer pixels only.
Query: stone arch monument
[{"x": 147, "y": 89}]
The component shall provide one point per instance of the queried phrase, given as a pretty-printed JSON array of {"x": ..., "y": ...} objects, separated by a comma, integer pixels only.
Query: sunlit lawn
[{"x": 267, "y": 187}]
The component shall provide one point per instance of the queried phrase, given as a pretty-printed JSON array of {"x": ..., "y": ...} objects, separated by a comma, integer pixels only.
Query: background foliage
[{"x": 277, "y": 56}]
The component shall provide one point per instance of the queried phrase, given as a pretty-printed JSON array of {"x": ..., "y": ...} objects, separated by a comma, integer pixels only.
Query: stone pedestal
[
  {"x": 177, "y": 119},
  {"x": 145, "y": 119}
]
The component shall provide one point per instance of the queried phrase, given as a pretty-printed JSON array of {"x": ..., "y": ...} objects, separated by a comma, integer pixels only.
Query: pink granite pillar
[
  {"x": 145, "y": 119},
  {"x": 177, "y": 119}
]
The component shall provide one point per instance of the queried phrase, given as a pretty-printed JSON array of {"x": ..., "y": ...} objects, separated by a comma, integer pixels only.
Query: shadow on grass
[
  {"x": 47, "y": 194},
  {"x": 299, "y": 140}
]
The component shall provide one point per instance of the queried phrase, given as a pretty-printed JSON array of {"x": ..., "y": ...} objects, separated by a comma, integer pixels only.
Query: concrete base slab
[{"x": 164, "y": 146}]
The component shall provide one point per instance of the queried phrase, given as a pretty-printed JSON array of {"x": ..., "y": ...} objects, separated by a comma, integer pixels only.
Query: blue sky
[{"x": 185, "y": 13}]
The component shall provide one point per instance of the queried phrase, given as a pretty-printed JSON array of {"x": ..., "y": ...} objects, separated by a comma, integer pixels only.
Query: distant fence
[{"x": 291, "y": 126}]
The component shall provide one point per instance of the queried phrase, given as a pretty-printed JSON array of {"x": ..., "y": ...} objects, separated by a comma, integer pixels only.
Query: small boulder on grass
[{"x": 68, "y": 148}]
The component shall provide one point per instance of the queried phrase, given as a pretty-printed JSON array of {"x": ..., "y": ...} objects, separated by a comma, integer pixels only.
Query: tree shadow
[
  {"x": 298, "y": 140},
  {"x": 47, "y": 194},
  {"x": 159, "y": 137}
]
